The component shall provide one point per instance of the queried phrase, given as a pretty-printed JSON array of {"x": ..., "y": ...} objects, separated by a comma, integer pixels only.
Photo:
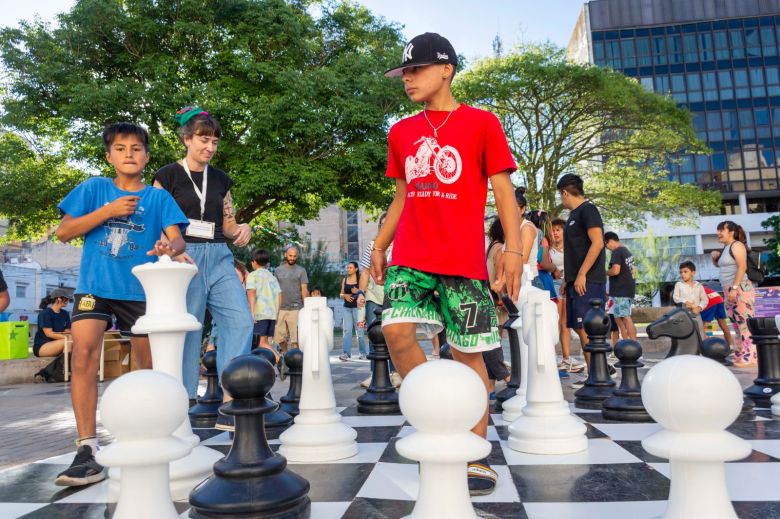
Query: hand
[
  {"x": 161, "y": 249},
  {"x": 715, "y": 255},
  {"x": 378, "y": 266},
  {"x": 508, "y": 271},
  {"x": 563, "y": 289},
  {"x": 579, "y": 284},
  {"x": 556, "y": 274},
  {"x": 122, "y": 206},
  {"x": 243, "y": 233},
  {"x": 184, "y": 258},
  {"x": 732, "y": 296},
  {"x": 348, "y": 298},
  {"x": 361, "y": 300}
]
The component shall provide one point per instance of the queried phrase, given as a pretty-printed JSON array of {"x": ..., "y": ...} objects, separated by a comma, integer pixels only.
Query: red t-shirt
[
  {"x": 713, "y": 297},
  {"x": 441, "y": 229}
]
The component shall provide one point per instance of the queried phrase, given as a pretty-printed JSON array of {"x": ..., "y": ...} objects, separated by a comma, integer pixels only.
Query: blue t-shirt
[
  {"x": 48, "y": 318},
  {"x": 117, "y": 245}
]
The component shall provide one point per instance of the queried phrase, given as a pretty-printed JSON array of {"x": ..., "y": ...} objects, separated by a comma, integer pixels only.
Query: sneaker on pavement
[
  {"x": 281, "y": 366},
  {"x": 611, "y": 369},
  {"x": 225, "y": 423},
  {"x": 83, "y": 471},
  {"x": 395, "y": 379},
  {"x": 578, "y": 383},
  {"x": 344, "y": 357},
  {"x": 482, "y": 479},
  {"x": 367, "y": 382},
  {"x": 571, "y": 366},
  {"x": 363, "y": 356}
]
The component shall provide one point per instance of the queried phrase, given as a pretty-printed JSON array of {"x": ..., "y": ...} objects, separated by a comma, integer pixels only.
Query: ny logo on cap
[{"x": 408, "y": 52}]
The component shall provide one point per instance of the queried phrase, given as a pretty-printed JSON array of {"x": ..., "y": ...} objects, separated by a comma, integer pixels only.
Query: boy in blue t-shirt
[{"x": 121, "y": 220}]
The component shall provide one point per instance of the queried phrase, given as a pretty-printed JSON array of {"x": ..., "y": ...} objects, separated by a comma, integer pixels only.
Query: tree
[
  {"x": 31, "y": 185},
  {"x": 773, "y": 244},
  {"x": 655, "y": 263},
  {"x": 302, "y": 100},
  {"x": 562, "y": 117}
]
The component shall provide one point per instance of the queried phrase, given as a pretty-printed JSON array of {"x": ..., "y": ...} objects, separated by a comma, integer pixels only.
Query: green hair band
[{"x": 187, "y": 113}]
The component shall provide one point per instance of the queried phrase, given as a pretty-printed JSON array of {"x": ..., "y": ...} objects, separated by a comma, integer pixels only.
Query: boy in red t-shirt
[
  {"x": 441, "y": 160},
  {"x": 715, "y": 311}
]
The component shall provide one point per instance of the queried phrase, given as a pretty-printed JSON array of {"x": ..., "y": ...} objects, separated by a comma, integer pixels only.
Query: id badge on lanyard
[{"x": 199, "y": 228}]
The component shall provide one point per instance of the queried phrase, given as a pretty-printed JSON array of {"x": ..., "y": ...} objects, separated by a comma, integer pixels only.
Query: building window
[
  {"x": 683, "y": 245},
  {"x": 763, "y": 205},
  {"x": 353, "y": 236},
  {"x": 768, "y": 41},
  {"x": 21, "y": 289}
]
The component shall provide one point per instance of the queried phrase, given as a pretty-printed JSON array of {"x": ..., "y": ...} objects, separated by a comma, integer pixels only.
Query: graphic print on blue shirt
[{"x": 112, "y": 249}]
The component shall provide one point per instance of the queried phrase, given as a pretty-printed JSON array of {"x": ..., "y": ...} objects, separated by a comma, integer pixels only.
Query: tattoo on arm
[{"x": 228, "y": 209}]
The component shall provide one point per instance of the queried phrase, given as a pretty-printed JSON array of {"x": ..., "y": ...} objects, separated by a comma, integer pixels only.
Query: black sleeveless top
[{"x": 348, "y": 290}]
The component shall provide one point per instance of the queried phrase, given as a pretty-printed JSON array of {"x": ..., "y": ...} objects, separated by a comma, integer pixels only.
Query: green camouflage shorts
[{"x": 465, "y": 307}]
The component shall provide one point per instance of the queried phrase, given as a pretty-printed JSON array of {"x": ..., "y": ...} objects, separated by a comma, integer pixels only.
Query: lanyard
[{"x": 200, "y": 194}]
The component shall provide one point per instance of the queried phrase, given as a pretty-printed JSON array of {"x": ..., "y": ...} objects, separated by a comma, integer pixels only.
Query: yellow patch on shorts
[{"x": 87, "y": 303}]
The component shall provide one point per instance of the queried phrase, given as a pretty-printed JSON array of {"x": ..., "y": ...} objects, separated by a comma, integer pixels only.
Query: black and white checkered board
[{"x": 614, "y": 478}]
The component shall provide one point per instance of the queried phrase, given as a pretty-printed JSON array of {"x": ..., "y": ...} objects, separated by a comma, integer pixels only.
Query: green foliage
[
  {"x": 773, "y": 244},
  {"x": 320, "y": 271},
  {"x": 302, "y": 100},
  {"x": 31, "y": 186},
  {"x": 561, "y": 117},
  {"x": 655, "y": 263}
]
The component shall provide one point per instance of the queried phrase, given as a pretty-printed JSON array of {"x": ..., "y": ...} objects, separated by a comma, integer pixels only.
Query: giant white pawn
[
  {"x": 318, "y": 434},
  {"x": 513, "y": 408},
  {"x": 546, "y": 425},
  {"x": 695, "y": 399},
  {"x": 443, "y": 442},
  {"x": 142, "y": 410}
]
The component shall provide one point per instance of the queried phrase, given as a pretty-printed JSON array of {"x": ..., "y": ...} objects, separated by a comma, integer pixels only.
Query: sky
[{"x": 470, "y": 25}]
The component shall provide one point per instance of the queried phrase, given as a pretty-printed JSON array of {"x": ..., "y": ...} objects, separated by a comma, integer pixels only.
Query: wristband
[
  {"x": 510, "y": 251},
  {"x": 377, "y": 248}
]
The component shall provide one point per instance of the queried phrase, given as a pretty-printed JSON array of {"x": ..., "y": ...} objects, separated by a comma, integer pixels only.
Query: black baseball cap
[{"x": 426, "y": 49}]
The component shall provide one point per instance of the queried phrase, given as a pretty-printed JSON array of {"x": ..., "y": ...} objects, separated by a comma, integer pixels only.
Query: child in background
[
  {"x": 716, "y": 311},
  {"x": 264, "y": 295},
  {"x": 690, "y": 293}
]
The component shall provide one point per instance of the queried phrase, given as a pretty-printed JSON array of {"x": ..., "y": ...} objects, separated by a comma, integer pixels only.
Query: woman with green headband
[{"x": 203, "y": 193}]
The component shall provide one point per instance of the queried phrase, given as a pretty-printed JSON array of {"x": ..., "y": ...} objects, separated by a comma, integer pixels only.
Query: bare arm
[
  {"x": 51, "y": 334},
  {"x": 596, "y": 236},
  {"x": 614, "y": 270},
  {"x": 304, "y": 290},
  {"x": 72, "y": 227},
  {"x": 238, "y": 232},
  {"x": 510, "y": 264},
  {"x": 387, "y": 233},
  {"x": 740, "y": 257},
  {"x": 251, "y": 293},
  {"x": 5, "y": 300}
]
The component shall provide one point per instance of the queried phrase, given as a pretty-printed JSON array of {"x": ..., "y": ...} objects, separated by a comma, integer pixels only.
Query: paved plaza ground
[{"x": 36, "y": 420}]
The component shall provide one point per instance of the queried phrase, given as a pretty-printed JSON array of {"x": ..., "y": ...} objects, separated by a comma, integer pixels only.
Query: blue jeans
[
  {"x": 349, "y": 324},
  {"x": 217, "y": 287}
]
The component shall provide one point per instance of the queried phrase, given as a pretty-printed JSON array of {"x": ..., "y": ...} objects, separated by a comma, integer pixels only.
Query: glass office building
[{"x": 721, "y": 60}]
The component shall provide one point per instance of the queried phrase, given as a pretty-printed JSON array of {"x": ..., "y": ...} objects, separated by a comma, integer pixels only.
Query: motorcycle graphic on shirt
[
  {"x": 442, "y": 161},
  {"x": 117, "y": 230}
]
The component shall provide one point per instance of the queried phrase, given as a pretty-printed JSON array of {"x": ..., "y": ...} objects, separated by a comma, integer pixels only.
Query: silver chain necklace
[{"x": 437, "y": 128}]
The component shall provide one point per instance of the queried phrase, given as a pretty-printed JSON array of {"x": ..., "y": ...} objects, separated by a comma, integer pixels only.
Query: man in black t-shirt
[
  {"x": 622, "y": 285},
  {"x": 585, "y": 277}
]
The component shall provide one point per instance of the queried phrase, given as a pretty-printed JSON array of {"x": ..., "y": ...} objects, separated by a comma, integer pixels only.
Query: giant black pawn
[
  {"x": 204, "y": 413},
  {"x": 289, "y": 403},
  {"x": 251, "y": 482},
  {"x": 599, "y": 385},
  {"x": 718, "y": 349},
  {"x": 276, "y": 418},
  {"x": 625, "y": 404},
  {"x": 380, "y": 397},
  {"x": 764, "y": 332},
  {"x": 514, "y": 354}
]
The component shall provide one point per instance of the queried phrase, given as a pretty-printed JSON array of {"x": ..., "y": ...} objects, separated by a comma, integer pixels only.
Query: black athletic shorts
[
  {"x": 264, "y": 328},
  {"x": 88, "y": 306},
  {"x": 494, "y": 362}
]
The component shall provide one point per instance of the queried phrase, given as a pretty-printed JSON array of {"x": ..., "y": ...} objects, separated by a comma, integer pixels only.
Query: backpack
[
  {"x": 756, "y": 269},
  {"x": 54, "y": 371}
]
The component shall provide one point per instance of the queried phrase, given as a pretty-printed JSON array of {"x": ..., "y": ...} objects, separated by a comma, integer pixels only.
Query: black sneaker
[
  {"x": 225, "y": 423},
  {"x": 83, "y": 471},
  {"x": 611, "y": 369},
  {"x": 482, "y": 479}
]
